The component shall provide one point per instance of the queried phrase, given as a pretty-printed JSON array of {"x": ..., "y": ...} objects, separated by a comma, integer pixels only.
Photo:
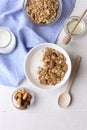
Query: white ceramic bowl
[{"x": 33, "y": 60}]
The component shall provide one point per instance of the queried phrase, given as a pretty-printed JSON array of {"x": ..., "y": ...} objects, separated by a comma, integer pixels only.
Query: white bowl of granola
[
  {"x": 47, "y": 66},
  {"x": 43, "y": 12}
]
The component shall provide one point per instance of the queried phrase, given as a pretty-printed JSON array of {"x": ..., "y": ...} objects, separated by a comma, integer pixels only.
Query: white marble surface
[{"x": 45, "y": 113}]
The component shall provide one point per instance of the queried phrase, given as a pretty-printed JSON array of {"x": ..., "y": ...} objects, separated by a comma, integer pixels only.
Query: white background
[{"x": 45, "y": 114}]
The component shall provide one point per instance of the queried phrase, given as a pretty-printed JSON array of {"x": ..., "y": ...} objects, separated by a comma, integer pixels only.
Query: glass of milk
[{"x": 7, "y": 40}]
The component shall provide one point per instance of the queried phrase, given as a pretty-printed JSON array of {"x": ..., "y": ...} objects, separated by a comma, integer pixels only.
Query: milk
[{"x": 7, "y": 40}]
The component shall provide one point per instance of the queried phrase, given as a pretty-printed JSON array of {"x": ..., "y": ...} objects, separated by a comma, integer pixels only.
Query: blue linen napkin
[{"x": 27, "y": 36}]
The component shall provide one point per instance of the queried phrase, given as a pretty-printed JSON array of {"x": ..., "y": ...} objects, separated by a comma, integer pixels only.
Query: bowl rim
[
  {"x": 55, "y": 20},
  {"x": 48, "y": 87}
]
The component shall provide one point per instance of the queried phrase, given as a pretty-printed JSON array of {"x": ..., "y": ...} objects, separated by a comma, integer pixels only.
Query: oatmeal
[
  {"x": 42, "y": 11},
  {"x": 54, "y": 67}
]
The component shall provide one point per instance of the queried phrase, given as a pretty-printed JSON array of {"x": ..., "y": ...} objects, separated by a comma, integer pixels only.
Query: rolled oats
[{"x": 42, "y": 11}]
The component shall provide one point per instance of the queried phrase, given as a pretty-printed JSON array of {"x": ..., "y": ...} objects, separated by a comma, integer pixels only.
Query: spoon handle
[
  {"x": 78, "y": 21},
  {"x": 73, "y": 73}
]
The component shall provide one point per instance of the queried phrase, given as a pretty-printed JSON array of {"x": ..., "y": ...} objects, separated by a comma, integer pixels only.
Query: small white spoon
[{"x": 65, "y": 98}]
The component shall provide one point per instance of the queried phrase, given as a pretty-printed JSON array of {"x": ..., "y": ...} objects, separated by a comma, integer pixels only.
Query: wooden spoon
[
  {"x": 67, "y": 38},
  {"x": 65, "y": 98}
]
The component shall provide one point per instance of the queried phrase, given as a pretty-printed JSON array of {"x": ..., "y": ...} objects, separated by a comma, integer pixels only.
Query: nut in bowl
[
  {"x": 22, "y": 98},
  {"x": 47, "y": 66},
  {"x": 43, "y": 12}
]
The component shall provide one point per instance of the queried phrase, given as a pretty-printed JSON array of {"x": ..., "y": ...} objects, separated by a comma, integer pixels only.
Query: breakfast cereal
[
  {"x": 54, "y": 67},
  {"x": 42, "y": 11}
]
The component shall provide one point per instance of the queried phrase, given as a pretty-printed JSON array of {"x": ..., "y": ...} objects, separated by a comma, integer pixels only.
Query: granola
[
  {"x": 42, "y": 11},
  {"x": 54, "y": 67}
]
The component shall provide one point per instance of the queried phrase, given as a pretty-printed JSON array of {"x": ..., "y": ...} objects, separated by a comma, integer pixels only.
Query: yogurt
[{"x": 7, "y": 40}]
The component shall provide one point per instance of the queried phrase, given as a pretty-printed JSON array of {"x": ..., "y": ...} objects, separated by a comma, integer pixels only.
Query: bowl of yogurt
[{"x": 47, "y": 66}]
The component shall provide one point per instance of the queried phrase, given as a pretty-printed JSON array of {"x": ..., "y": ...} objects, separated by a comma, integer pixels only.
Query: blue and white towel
[{"x": 27, "y": 36}]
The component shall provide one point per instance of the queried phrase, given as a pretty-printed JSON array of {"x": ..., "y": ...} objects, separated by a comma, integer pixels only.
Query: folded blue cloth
[{"x": 27, "y": 36}]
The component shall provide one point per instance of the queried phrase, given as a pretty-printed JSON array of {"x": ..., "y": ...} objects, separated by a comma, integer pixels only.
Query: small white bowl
[{"x": 34, "y": 59}]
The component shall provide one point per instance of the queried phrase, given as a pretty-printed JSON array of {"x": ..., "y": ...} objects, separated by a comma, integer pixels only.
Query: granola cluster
[
  {"x": 54, "y": 67},
  {"x": 42, "y": 11}
]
